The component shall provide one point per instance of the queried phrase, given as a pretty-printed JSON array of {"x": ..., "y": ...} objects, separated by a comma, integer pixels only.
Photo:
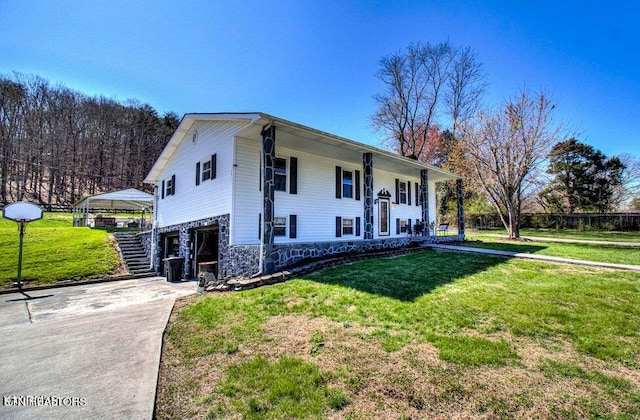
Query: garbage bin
[{"x": 173, "y": 268}]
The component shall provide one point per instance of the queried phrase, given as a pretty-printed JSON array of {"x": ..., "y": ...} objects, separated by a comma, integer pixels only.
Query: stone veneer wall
[
  {"x": 285, "y": 255},
  {"x": 184, "y": 233},
  {"x": 145, "y": 239},
  {"x": 244, "y": 260}
]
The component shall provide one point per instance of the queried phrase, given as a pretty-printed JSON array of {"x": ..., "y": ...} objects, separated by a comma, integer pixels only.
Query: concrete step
[{"x": 133, "y": 254}]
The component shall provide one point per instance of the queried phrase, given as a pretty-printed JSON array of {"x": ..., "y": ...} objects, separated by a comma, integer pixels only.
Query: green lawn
[
  {"x": 569, "y": 234},
  {"x": 54, "y": 251},
  {"x": 423, "y": 335},
  {"x": 601, "y": 253}
]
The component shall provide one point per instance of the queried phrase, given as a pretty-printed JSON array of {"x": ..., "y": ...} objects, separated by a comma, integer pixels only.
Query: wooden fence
[{"x": 583, "y": 221}]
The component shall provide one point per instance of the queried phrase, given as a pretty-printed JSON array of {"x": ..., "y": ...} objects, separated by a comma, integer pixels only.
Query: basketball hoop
[{"x": 22, "y": 213}]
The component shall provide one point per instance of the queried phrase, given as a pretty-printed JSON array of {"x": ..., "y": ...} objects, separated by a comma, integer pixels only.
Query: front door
[{"x": 383, "y": 217}]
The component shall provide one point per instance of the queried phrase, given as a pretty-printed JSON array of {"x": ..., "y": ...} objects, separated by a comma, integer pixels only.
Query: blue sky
[{"x": 313, "y": 62}]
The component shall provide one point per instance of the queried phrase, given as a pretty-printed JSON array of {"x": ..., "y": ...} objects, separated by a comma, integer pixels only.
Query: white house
[{"x": 256, "y": 193}]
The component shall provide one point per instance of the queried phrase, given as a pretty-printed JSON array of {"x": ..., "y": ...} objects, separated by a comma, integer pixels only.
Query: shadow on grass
[
  {"x": 508, "y": 246},
  {"x": 410, "y": 276}
]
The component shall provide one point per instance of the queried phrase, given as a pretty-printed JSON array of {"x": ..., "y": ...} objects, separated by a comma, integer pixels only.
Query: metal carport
[{"x": 129, "y": 199}]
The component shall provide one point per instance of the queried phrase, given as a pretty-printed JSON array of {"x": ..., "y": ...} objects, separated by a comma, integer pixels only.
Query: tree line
[
  {"x": 58, "y": 145},
  {"x": 512, "y": 157}
]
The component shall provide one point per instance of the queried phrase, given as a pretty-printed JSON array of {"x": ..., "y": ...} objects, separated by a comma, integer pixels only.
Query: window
[
  {"x": 347, "y": 226},
  {"x": 169, "y": 186},
  {"x": 280, "y": 174},
  {"x": 279, "y": 226},
  {"x": 403, "y": 193},
  {"x": 403, "y": 226},
  {"x": 347, "y": 184},
  {"x": 206, "y": 170}
]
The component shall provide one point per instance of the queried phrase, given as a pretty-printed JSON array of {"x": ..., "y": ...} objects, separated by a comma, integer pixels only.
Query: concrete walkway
[
  {"x": 88, "y": 351},
  {"x": 535, "y": 257}
]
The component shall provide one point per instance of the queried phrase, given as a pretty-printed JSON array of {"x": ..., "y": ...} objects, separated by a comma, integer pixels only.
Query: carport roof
[{"x": 129, "y": 199}]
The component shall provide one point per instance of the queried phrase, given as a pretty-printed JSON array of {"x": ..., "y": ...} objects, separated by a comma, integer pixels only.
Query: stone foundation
[
  {"x": 184, "y": 230},
  {"x": 244, "y": 260}
]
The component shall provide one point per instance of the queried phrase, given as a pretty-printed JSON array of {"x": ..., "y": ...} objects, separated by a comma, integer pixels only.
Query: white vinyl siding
[
  {"x": 247, "y": 204},
  {"x": 315, "y": 203},
  {"x": 211, "y": 198}
]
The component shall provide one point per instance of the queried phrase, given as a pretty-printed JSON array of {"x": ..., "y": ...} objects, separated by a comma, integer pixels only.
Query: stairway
[{"x": 133, "y": 255}]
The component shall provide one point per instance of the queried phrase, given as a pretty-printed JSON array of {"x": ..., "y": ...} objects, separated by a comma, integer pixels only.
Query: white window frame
[
  {"x": 347, "y": 182},
  {"x": 276, "y": 174},
  {"x": 206, "y": 171},
  {"x": 347, "y": 223},
  {"x": 280, "y": 222},
  {"x": 402, "y": 192}
]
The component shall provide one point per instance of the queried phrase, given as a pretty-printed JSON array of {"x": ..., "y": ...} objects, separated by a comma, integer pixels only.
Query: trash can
[{"x": 173, "y": 268}]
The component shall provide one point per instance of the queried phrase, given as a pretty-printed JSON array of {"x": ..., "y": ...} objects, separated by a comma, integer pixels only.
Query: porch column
[
  {"x": 268, "y": 188},
  {"x": 367, "y": 169},
  {"x": 460, "y": 197},
  {"x": 424, "y": 201}
]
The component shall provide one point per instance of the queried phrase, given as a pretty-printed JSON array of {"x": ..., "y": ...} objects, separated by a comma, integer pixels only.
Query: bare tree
[
  {"x": 422, "y": 84},
  {"x": 505, "y": 149},
  {"x": 466, "y": 85},
  {"x": 57, "y": 145},
  {"x": 630, "y": 185}
]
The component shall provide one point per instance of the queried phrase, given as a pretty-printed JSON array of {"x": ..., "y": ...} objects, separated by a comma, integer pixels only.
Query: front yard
[{"x": 418, "y": 336}]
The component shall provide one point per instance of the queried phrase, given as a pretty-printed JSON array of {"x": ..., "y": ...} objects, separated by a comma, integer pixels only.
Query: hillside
[
  {"x": 58, "y": 145},
  {"x": 54, "y": 251}
]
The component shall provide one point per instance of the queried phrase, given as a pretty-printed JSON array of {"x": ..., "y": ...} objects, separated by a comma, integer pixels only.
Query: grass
[
  {"x": 592, "y": 235},
  {"x": 54, "y": 251},
  {"x": 602, "y": 253},
  {"x": 423, "y": 335},
  {"x": 260, "y": 389}
]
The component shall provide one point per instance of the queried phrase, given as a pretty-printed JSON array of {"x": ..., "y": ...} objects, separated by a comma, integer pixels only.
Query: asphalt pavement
[{"x": 88, "y": 351}]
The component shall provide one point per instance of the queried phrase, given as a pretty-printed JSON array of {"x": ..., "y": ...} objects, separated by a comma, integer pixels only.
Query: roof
[
  {"x": 300, "y": 137},
  {"x": 129, "y": 199}
]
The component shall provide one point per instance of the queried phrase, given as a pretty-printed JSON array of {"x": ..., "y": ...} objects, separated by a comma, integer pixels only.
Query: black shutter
[
  {"x": 173, "y": 185},
  {"x": 293, "y": 226},
  {"x": 357, "y": 181},
  {"x": 397, "y": 226},
  {"x": 338, "y": 182},
  {"x": 293, "y": 176},
  {"x": 259, "y": 225},
  {"x": 409, "y": 192},
  {"x": 338, "y": 226},
  {"x": 357, "y": 226},
  {"x": 409, "y": 228},
  {"x": 214, "y": 161},
  {"x": 198, "y": 173},
  {"x": 260, "y": 172},
  {"x": 162, "y": 189},
  {"x": 417, "y": 195},
  {"x": 397, "y": 191}
]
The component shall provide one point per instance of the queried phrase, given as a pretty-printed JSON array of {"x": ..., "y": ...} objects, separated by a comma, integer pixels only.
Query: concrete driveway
[{"x": 84, "y": 352}]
